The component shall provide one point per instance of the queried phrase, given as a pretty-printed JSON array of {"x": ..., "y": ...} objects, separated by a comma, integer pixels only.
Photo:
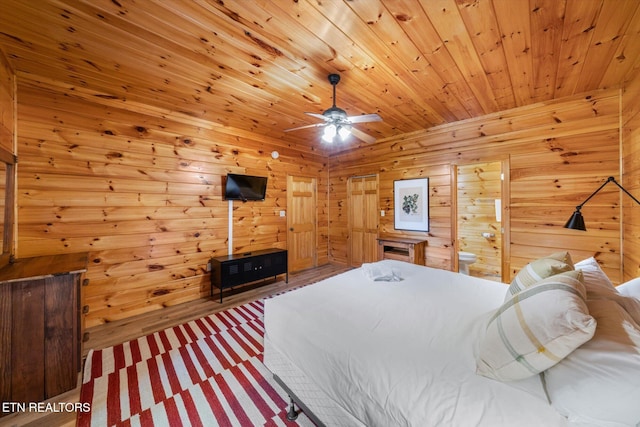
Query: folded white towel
[{"x": 380, "y": 273}]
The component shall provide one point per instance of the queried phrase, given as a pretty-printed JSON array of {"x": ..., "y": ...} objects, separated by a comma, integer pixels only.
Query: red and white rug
[{"x": 206, "y": 372}]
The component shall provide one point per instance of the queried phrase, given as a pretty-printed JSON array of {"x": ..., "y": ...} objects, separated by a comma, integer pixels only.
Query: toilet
[{"x": 465, "y": 259}]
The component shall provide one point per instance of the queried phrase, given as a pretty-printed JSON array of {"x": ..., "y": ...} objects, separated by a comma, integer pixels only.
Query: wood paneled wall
[
  {"x": 141, "y": 191},
  {"x": 631, "y": 178},
  {"x": 559, "y": 153}
]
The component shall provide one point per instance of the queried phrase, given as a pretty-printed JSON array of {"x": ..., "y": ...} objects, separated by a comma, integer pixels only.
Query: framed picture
[{"x": 411, "y": 204}]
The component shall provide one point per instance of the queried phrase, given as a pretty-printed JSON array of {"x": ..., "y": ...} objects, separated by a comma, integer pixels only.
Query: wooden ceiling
[{"x": 258, "y": 66}]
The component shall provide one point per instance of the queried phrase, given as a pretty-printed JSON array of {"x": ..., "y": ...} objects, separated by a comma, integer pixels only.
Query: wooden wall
[
  {"x": 141, "y": 191},
  {"x": 631, "y": 178},
  {"x": 559, "y": 152}
]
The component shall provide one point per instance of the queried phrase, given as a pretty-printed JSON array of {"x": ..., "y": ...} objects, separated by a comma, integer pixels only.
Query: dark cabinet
[
  {"x": 237, "y": 269},
  {"x": 41, "y": 327}
]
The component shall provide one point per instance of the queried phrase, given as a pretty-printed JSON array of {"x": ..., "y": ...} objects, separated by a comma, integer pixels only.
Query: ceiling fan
[{"x": 337, "y": 123}]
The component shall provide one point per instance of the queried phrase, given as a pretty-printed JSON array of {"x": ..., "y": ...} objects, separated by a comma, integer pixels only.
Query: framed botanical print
[{"x": 411, "y": 204}]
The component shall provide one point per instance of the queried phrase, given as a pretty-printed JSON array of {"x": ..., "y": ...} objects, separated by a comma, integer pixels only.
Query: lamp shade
[{"x": 576, "y": 222}]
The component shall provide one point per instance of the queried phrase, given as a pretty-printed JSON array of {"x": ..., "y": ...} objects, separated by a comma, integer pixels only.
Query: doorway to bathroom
[{"x": 480, "y": 218}]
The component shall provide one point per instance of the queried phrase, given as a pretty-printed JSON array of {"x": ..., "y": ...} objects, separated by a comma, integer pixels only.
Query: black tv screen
[{"x": 245, "y": 187}]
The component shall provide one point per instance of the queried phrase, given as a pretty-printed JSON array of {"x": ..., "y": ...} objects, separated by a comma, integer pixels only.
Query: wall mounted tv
[{"x": 245, "y": 187}]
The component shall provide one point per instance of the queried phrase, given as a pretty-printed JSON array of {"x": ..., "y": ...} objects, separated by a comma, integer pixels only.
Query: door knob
[{"x": 291, "y": 229}]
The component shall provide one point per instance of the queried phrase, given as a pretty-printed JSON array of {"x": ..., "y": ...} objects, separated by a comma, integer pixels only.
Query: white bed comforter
[{"x": 403, "y": 353}]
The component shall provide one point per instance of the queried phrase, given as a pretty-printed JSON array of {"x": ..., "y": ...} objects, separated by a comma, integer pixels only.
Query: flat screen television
[{"x": 245, "y": 187}]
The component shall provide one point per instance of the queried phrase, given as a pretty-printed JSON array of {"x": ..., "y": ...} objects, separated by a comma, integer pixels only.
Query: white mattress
[{"x": 402, "y": 353}]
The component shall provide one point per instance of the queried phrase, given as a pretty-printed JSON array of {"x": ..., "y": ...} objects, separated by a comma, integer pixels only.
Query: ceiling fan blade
[
  {"x": 363, "y": 136},
  {"x": 365, "y": 118},
  {"x": 315, "y": 125},
  {"x": 318, "y": 116}
]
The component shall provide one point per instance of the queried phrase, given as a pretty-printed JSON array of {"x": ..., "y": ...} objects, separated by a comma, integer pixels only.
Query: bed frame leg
[{"x": 292, "y": 414}]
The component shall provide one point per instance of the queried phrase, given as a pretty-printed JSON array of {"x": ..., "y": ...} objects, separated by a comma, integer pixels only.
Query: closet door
[{"x": 363, "y": 219}]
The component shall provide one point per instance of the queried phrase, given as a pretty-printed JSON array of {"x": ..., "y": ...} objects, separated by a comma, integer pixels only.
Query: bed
[{"x": 355, "y": 351}]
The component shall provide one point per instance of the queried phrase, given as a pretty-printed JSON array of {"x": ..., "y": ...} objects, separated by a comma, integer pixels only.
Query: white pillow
[
  {"x": 536, "y": 328},
  {"x": 599, "y": 286},
  {"x": 630, "y": 288},
  {"x": 599, "y": 382},
  {"x": 539, "y": 269},
  {"x": 595, "y": 280}
]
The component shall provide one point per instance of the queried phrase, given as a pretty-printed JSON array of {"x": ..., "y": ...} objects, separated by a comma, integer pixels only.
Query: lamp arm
[
  {"x": 576, "y": 222},
  {"x": 596, "y": 192},
  {"x": 610, "y": 179},
  {"x": 621, "y": 187}
]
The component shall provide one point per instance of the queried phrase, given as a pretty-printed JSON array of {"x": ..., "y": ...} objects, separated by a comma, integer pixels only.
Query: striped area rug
[{"x": 206, "y": 372}]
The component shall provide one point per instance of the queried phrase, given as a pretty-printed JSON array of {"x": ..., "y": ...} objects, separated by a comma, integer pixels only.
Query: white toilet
[{"x": 465, "y": 259}]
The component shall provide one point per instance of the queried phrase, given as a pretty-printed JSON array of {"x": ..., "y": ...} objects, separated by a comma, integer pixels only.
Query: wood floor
[{"x": 116, "y": 332}]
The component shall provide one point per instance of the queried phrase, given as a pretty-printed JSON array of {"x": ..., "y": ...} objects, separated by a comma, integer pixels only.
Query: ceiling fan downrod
[{"x": 334, "y": 79}]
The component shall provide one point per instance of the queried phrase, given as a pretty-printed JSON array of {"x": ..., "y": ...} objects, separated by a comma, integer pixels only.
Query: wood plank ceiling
[{"x": 258, "y": 65}]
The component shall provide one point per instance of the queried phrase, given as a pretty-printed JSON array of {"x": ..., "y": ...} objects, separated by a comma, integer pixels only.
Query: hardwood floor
[{"x": 116, "y": 332}]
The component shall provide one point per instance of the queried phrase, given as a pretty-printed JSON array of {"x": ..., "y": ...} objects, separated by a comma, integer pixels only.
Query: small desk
[{"x": 402, "y": 249}]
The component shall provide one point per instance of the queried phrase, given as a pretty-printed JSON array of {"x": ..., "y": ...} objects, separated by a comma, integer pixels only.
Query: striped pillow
[
  {"x": 539, "y": 269},
  {"x": 536, "y": 328}
]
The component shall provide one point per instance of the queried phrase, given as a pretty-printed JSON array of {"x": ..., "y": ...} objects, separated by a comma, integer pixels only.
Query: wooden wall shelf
[{"x": 402, "y": 249}]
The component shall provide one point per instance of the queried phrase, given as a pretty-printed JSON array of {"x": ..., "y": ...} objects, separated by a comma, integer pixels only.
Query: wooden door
[
  {"x": 301, "y": 222},
  {"x": 363, "y": 219}
]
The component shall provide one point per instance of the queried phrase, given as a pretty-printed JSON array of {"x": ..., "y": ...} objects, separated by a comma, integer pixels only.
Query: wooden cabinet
[
  {"x": 40, "y": 328},
  {"x": 237, "y": 269},
  {"x": 402, "y": 249}
]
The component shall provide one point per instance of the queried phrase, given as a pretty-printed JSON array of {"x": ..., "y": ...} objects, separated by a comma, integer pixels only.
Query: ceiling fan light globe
[
  {"x": 329, "y": 133},
  {"x": 344, "y": 132}
]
